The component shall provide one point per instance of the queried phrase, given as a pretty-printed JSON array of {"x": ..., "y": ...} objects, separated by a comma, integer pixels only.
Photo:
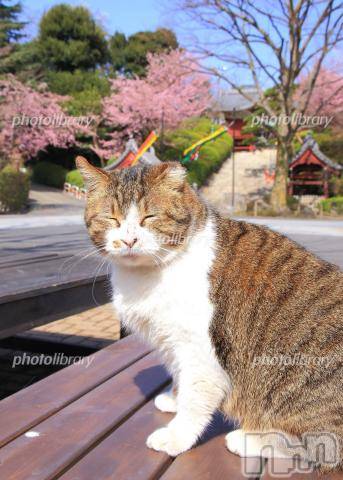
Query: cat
[{"x": 221, "y": 299}]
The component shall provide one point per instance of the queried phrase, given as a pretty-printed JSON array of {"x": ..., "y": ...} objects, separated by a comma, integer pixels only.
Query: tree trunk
[{"x": 278, "y": 198}]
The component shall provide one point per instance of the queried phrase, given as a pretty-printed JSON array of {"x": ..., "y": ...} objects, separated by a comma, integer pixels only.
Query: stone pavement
[
  {"x": 249, "y": 179},
  {"x": 94, "y": 328},
  {"x": 44, "y": 200}
]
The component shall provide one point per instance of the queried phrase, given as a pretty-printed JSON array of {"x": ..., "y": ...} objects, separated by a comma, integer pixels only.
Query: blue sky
[{"x": 128, "y": 16}]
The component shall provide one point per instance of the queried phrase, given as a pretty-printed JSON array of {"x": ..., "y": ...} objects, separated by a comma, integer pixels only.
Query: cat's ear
[
  {"x": 93, "y": 176},
  {"x": 172, "y": 174}
]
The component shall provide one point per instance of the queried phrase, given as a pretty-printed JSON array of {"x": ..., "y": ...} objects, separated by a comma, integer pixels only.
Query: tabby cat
[{"x": 232, "y": 307}]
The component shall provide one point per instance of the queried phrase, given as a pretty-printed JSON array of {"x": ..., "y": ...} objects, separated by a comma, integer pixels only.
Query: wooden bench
[{"x": 91, "y": 424}]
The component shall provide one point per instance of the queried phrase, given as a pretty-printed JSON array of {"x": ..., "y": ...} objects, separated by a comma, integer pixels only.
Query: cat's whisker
[
  {"x": 96, "y": 251},
  {"x": 97, "y": 271}
]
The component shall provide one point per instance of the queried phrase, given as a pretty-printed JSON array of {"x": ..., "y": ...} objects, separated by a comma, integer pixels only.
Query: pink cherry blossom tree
[
  {"x": 30, "y": 120},
  {"x": 327, "y": 95},
  {"x": 172, "y": 91}
]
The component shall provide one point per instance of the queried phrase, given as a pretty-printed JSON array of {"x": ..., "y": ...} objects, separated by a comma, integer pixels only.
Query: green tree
[
  {"x": 10, "y": 32},
  {"x": 70, "y": 39},
  {"x": 10, "y": 26},
  {"x": 128, "y": 55}
]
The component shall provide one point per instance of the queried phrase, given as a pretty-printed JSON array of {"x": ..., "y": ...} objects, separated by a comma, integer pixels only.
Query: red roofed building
[
  {"x": 233, "y": 107},
  {"x": 310, "y": 171}
]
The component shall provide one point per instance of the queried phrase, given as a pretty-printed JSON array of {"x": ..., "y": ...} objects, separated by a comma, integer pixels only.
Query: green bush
[
  {"x": 14, "y": 189},
  {"x": 333, "y": 203},
  {"x": 331, "y": 145},
  {"x": 74, "y": 177},
  {"x": 211, "y": 156},
  {"x": 49, "y": 174},
  {"x": 84, "y": 103},
  {"x": 336, "y": 186}
]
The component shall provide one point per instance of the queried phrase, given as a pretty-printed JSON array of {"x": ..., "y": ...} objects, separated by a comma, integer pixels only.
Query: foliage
[
  {"x": 10, "y": 26},
  {"x": 69, "y": 83},
  {"x": 70, "y": 39},
  {"x": 211, "y": 156},
  {"x": 84, "y": 103},
  {"x": 10, "y": 33},
  {"x": 65, "y": 156},
  {"x": 331, "y": 145},
  {"x": 49, "y": 174},
  {"x": 171, "y": 92},
  {"x": 336, "y": 186},
  {"x": 24, "y": 61},
  {"x": 74, "y": 177},
  {"x": 85, "y": 88},
  {"x": 333, "y": 204},
  {"x": 14, "y": 189},
  {"x": 129, "y": 55},
  {"x": 265, "y": 133}
]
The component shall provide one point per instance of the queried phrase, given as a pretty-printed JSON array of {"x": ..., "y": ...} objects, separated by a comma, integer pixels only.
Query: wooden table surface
[{"x": 91, "y": 424}]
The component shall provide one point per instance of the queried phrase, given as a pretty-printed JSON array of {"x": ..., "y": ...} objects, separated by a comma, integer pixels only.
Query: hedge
[
  {"x": 49, "y": 174},
  {"x": 74, "y": 177},
  {"x": 14, "y": 189},
  {"x": 333, "y": 203},
  {"x": 211, "y": 156},
  {"x": 331, "y": 145}
]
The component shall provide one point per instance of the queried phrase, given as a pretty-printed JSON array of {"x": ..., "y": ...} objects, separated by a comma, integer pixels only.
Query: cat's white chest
[{"x": 171, "y": 303}]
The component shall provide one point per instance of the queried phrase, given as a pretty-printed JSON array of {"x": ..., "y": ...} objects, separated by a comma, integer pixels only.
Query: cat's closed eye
[
  {"x": 147, "y": 217},
  {"x": 115, "y": 220}
]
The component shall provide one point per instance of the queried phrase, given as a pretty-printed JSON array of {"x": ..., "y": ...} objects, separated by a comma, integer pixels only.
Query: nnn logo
[{"x": 287, "y": 455}]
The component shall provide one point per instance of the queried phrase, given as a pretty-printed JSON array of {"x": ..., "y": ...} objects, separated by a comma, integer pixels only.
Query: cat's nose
[{"x": 130, "y": 243}]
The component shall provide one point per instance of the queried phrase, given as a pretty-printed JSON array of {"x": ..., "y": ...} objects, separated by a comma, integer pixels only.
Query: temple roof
[
  {"x": 229, "y": 100},
  {"x": 311, "y": 144},
  {"x": 148, "y": 158}
]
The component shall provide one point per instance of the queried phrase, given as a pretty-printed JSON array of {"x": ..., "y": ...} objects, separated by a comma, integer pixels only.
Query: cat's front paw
[
  {"x": 166, "y": 402},
  {"x": 243, "y": 445},
  {"x": 168, "y": 441}
]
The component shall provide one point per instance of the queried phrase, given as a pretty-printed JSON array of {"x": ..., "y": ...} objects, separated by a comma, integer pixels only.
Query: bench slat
[
  {"x": 210, "y": 460},
  {"x": 282, "y": 468},
  {"x": 30, "y": 406},
  {"x": 123, "y": 455},
  {"x": 65, "y": 436}
]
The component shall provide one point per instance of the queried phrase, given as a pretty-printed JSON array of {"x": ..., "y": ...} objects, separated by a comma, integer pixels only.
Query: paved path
[
  {"x": 32, "y": 257},
  {"x": 249, "y": 178},
  {"x": 94, "y": 328},
  {"x": 51, "y": 201}
]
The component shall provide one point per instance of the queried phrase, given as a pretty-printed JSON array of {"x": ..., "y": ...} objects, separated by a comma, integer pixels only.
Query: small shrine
[{"x": 311, "y": 170}]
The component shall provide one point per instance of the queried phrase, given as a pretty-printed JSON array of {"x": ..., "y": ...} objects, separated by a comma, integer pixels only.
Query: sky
[
  {"x": 130, "y": 16},
  {"x": 127, "y": 16}
]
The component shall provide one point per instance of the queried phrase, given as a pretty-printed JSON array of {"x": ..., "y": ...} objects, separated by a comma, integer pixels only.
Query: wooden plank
[
  {"x": 210, "y": 460},
  {"x": 29, "y": 309},
  {"x": 123, "y": 455},
  {"x": 67, "y": 435},
  {"x": 278, "y": 469},
  {"x": 30, "y": 406}
]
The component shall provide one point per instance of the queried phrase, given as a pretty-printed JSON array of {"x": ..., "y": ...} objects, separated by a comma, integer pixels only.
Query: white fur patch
[
  {"x": 170, "y": 307},
  {"x": 146, "y": 249},
  {"x": 166, "y": 402}
]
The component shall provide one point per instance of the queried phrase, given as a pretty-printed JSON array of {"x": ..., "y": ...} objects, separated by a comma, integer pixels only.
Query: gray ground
[{"x": 50, "y": 249}]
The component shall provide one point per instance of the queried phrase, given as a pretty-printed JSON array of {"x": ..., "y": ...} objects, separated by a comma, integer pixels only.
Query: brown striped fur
[{"x": 273, "y": 297}]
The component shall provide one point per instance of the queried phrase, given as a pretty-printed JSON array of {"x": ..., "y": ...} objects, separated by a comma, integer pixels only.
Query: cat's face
[{"x": 141, "y": 215}]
